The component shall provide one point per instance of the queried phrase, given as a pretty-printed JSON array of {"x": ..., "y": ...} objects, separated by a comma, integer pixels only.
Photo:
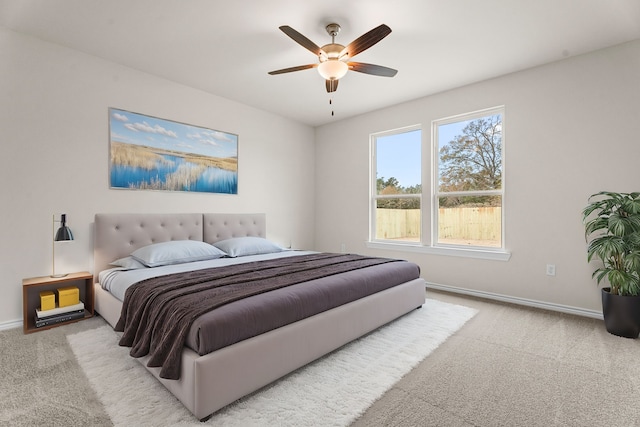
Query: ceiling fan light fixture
[{"x": 333, "y": 69}]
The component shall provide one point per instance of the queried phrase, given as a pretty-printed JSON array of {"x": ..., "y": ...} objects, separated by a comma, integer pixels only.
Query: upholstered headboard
[{"x": 117, "y": 235}]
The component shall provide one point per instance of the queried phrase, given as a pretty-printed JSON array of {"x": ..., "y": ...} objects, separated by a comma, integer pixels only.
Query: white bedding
[{"x": 117, "y": 280}]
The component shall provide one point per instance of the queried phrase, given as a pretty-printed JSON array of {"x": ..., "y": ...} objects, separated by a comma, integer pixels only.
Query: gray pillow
[
  {"x": 128, "y": 262},
  {"x": 242, "y": 246},
  {"x": 176, "y": 252}
]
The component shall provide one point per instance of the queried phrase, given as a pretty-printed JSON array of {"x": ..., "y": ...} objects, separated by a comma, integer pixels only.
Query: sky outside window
[{"x": 398, "y": 156}]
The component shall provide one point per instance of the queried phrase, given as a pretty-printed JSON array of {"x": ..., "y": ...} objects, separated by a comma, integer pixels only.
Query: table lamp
[{"x": 62, "y": 235}]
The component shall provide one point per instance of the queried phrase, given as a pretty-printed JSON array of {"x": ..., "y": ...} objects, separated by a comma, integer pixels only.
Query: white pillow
[
  {"x": 128, "y": 262},
  {"x": 242, "y": 246},
  {"x": 176, "y": 252}
]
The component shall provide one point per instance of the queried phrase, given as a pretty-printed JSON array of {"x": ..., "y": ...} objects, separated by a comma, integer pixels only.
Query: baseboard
[
  {"x": 519, "y": 301},
  {"x": 10, "y": 324},
  {"x": 453, "y": 289}
]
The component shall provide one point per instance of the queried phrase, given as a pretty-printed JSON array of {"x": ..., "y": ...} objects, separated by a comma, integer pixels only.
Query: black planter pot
[{"x": 621, "y": 314}]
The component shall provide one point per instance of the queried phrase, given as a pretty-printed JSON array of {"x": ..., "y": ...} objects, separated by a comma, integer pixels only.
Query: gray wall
[
  {"x": 55, "y": 135},
  {"x": 571, "y": 129}
]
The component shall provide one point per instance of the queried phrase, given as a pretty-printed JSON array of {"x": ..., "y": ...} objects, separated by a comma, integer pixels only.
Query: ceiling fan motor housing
[{"x": 332, "y": 51}]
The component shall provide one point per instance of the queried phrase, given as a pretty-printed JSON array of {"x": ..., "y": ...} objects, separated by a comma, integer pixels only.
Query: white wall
[
  {"x": 54, "y": 128},
  {"x": 571, "y": 129}
]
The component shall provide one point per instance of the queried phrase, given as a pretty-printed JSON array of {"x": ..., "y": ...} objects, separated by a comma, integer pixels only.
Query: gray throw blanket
[{"x": 158, "y": 312}]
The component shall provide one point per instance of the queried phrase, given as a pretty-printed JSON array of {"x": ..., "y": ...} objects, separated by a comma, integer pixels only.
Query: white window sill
[{"x": 495, "y": 255}]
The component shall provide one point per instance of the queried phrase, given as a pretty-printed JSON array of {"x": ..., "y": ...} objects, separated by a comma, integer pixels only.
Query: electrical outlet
[
  {"x": 343, "y": 248},
  {"x": 551, "y": 270}
]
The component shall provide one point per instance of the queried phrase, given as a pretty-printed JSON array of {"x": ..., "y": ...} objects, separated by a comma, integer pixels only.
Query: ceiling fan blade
[
  {"x": 292, "y": 69},
  {"x": 365, "y": 41},
  {"x": 331, "y": 85},
  {"x": 301, "y": 40},
  {"x": 376, "y": 70}
]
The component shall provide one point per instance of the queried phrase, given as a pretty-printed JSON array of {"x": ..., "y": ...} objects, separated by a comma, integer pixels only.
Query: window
[
  {"x": 468, "y": 194},
  {"x": 447, "y": 199},
  {"x": 396, "y": 186}
]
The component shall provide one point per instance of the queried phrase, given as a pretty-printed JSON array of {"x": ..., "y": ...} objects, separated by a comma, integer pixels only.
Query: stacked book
[{"x": 59, "y": 314}]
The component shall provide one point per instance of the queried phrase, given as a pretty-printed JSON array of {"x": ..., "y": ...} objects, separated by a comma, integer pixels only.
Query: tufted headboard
[{"x": 117, "y": 235}]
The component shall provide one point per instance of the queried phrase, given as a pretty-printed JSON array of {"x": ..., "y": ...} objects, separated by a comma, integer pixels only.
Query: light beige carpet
[
  {"x": 41, "y": 383},
  {"x": 518, "y": 366},
  {"x": 508, "y": 366},
  {"x": 332, "y": 391}
]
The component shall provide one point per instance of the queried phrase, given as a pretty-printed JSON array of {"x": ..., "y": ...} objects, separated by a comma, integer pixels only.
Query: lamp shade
[
  {"x": 333, "y": 69},
  {"x": 64, "y": 232}
]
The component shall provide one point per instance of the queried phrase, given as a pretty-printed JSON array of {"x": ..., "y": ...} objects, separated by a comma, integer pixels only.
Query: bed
[{"x": 211, "y": 381}]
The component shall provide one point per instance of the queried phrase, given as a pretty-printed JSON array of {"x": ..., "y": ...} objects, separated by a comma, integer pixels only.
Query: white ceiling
[{"x": 227, "y": 47}]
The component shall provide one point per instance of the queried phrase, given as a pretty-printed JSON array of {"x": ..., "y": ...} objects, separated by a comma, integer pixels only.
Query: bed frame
[{"x": 210, "y": 382}]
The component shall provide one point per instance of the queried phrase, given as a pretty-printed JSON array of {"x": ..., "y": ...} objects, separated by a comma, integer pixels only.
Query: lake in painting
[{"x": 154, "y": 154}]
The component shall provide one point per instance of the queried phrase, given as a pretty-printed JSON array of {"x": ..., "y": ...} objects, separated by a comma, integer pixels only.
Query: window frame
[{"x": 373, "y": 193}]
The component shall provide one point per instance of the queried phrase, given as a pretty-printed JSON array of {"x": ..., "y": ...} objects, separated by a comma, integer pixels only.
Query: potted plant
[{"x": 612, "y": 230}]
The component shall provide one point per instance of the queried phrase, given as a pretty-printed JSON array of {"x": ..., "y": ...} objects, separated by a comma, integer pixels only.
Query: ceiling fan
[{"x": 334, "y": 59}]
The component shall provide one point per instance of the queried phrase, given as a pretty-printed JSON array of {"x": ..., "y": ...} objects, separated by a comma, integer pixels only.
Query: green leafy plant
[{"x": 612, "y": 230}]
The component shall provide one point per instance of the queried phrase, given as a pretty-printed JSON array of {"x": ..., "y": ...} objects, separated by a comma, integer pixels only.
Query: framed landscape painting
[{"x": 148, "y": 153}]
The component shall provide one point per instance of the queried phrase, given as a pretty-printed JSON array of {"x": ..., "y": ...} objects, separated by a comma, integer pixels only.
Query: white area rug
[{"x": 333, "y": 391}]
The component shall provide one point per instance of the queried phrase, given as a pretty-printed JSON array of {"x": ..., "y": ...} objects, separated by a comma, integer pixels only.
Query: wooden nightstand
[{"x": 32, "y": 287}]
